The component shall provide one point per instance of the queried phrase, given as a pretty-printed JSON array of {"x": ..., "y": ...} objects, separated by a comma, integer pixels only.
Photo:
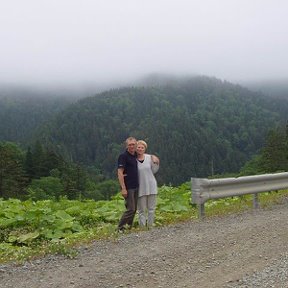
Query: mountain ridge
[{"x": 192, "y": 124}]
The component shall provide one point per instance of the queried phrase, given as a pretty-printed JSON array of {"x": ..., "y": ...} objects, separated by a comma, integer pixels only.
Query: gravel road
[{"x": 243, "y": 250}]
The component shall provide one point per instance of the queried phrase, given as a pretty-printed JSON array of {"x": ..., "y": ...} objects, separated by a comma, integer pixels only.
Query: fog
[{"x": 90, "y": 42}]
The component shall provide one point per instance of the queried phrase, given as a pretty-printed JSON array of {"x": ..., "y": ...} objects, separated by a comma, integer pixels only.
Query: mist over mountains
[
  {"x": 197, "y": 125},
  {"x": 273, "y": 88},
  {"x": 277, "y": 88}
]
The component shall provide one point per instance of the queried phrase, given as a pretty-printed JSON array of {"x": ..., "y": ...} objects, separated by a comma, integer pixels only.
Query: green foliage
[
  {"x": 107, "y": 188},
  {"x": 253, "y": 167},
  {"x": 32, "y": 224},
  {"x": 30, "y": 228},
  {"x": 273, "y": 157},
  {"x": 45, "y": 188},
  {"x": 12, "y": 180},
  {"x": 22, "y": 112},
  {"x": 275, "y": 151},
  {"x": 174, "y": 199},
  {"x": 42, "y": 174},
  {"x": 198, "y": 127},
  {"x": 41, "y": 161}
]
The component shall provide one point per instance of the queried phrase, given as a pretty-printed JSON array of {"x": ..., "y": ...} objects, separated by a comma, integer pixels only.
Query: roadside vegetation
[{"x": 31, "y": 229}]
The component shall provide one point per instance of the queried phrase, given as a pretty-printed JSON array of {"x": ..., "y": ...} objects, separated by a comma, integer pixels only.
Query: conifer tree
[
  {"x": 28, "y": 165},
  {"x": 12, "y": 180}
]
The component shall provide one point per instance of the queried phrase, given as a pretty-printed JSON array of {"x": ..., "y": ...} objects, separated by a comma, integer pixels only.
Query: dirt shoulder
[{"x": 215, "y": 252}]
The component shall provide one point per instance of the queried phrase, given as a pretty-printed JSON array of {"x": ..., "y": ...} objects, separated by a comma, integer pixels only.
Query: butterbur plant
[{"x": 30, "y": 228}]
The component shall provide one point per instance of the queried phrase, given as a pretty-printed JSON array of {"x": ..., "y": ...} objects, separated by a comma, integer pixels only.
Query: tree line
[
  {"x": 40, "y": 173},
  {"x": 273, "y": 157}
]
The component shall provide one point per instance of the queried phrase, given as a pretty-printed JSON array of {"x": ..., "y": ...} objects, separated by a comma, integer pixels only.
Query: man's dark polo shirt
[{"x": 129, "y": 163}]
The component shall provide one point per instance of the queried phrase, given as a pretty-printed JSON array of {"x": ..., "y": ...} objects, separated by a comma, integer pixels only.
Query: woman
[{"x": 148, "y": 165}]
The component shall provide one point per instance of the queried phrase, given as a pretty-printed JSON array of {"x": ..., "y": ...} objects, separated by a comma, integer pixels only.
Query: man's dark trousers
[{"x": 131, "y": 208}]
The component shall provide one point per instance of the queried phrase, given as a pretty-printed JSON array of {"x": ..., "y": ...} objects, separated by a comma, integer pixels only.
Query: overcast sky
[{"x": 87, "y": 41}]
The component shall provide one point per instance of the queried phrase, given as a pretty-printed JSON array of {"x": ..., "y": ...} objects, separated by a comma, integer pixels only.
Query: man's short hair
[{"x": 130, "y": 139}]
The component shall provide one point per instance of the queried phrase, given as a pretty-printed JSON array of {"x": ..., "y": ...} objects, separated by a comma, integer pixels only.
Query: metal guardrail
[{"x": 204, "y": 189}]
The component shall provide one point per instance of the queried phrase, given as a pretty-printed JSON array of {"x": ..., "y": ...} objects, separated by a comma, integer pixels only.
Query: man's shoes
[{"x": 121, "y": 230}]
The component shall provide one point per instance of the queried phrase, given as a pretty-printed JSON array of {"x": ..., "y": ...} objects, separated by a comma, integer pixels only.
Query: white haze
[{"x": 90, "y": 42}]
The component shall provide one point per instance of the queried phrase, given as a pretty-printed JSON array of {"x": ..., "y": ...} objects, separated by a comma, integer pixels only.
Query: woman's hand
[{"x": 155, "y": 159}]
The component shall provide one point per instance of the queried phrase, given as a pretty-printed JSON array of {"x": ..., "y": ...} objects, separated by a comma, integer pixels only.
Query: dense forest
[
  {"x": 22, "y": 113},
  {"x": 198, "y": 127},
  {"x": 273, "y": 157},
  {"x": 39, "y": 173}
]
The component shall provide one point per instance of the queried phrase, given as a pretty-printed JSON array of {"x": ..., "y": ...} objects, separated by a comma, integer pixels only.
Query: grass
[{"x": 243, "y": 203}]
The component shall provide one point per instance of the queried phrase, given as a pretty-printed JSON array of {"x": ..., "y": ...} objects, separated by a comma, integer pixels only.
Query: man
[{"x": 128, "y": 179}]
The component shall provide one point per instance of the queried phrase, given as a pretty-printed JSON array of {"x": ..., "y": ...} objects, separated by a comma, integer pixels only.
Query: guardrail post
[
  {"x": 255, "y": 201},
  {"x": 201, "y": 211}
]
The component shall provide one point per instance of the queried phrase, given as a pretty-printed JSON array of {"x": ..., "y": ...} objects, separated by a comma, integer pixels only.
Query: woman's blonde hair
[{"x": 142, "y": 142}]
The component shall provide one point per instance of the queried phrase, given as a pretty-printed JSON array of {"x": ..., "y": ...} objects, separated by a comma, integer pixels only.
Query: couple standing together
[{"x": 136, "y": 171}]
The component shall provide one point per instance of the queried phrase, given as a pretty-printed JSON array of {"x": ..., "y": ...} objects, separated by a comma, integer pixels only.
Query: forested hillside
[
  {"x": 198, "y": 127},
  {"x": 22, "y": 111}
]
